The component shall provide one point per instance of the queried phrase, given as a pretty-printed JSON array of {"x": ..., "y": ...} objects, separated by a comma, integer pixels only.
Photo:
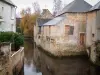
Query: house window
[
  {"x": 12, "y": 26},
  {"x": 69, "y": 29},
  {"x": 1, "y": 13},
  {"x": 39, "y": 29},
  {"x": 49, "y": 30},
  {"x": 93, "y": 35},
  {"x": 12, "y": 13}
]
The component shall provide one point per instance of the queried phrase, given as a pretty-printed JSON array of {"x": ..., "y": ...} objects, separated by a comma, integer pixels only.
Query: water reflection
[
  {"x": 36, "y": 58},
  {"x": 65, "y": 66},
  {"x": 29, "y": 67}
]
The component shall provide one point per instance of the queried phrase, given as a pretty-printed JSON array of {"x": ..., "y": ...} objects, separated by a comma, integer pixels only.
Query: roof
[
  {"x": 96, "y": 7},
  {"x": 54, "y": 21},
  {"x": 46, "y": 14},
  {"x": 42, "y": 21},
  {"x": 8, "y": 2},
  {"x": 76, "y": 6}
]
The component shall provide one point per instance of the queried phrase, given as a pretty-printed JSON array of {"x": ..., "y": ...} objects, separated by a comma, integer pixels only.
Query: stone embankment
[
  {"x": 10, "y": 62},
  {"x": 61, "y": 49}
]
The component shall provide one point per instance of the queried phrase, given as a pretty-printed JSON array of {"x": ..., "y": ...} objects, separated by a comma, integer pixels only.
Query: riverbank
[
  {"x": 72, "y": 65},
  {"x": 38, "y": 62},
  {"x": 61, "y": 49},
  {"x": 61, "y": 56}
]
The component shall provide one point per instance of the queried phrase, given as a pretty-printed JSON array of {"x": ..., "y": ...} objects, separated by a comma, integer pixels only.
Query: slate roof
[
  {"x": 8, "y": 2},
  {"x": 41, "y": 21},
  {"x": 54, "y": 21},
  {"x": 76, "y": 6},
  {"x": 96, "y": 7}
]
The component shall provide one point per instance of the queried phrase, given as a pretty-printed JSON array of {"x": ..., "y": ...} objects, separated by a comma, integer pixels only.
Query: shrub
[{"x": 16, "y": 39}]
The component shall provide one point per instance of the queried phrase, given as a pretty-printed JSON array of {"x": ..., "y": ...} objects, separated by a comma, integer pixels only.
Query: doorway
[{"x": 82, "y": 38}]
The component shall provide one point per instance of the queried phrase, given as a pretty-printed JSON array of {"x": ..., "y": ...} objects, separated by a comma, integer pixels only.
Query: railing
[{"x": 17, "y": 57}]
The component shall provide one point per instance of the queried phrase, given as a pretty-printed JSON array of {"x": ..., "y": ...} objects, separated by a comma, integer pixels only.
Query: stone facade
[
  {"x": 93, "y": 36},
  {"x": 91, "y": 28},
  {"x": 55, "y": 40},
  {"x": 66, "y": 36},
  {"x": 46, "y": 14}
]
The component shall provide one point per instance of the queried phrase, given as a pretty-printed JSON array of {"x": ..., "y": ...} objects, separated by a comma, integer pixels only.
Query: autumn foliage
[{"x": 27, "y": 22}]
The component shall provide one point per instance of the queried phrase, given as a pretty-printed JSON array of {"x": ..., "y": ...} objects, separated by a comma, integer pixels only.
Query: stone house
[
  {"x": 66, "y": 33},
  {"x": 93, "y": 25},
  {"x": 93, "y": 33},
  {"x": 43, "y": 18},
  {"x": 7, "y": 16}
]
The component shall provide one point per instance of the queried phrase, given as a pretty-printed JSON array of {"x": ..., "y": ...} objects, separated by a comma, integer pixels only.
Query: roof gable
[{"x": 46, "y": 14}]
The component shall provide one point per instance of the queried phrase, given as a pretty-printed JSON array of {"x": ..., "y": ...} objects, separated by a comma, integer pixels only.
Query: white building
[{"x": 7, "y": 16}]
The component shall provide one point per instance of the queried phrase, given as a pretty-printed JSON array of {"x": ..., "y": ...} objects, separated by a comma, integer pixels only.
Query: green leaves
[{"x": 15, "y": 38}]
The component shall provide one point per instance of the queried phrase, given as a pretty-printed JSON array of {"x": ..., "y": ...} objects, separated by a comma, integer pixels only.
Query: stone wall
[
  {"x": 17, "y": 61},
  {"x": 46, "y": 14},
  {"x": 91, "y": 28},
  {"x": 93, "y": 36},
  {"x": 98, "y": 24},
  {"x": 9, "y": 60},
  {"x": 78, "y": 20},
  {"x": 5, "y": 65},
  {"x": 55, "y": 41}
]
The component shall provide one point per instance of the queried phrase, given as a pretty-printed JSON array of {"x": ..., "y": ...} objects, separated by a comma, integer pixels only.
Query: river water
[{"x": 37, "y": 62}]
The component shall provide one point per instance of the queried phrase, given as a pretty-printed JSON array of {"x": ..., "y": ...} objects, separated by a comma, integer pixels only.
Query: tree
[
  {"x": 36, "y": 7},
  {"x": 27, "y": 22},
  {"x": 57, "y": 7}
]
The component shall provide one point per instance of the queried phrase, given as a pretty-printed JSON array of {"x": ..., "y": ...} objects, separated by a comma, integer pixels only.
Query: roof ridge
[{"x": 76, "y": 6}]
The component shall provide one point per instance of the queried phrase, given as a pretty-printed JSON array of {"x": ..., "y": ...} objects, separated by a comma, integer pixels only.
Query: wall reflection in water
[
  {"x": 36, "y": 61},
  {"x": 29, "y": 67}
]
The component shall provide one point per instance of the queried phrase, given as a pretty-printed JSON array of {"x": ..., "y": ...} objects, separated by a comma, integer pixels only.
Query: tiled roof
[
  {"x": 41, "y": 21},
  {"x": 54, "y": 21},
  {"x": 76, "y": 6}
]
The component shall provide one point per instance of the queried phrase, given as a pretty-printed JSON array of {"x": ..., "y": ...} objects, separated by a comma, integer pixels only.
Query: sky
[{"x": 48, "y": 4}]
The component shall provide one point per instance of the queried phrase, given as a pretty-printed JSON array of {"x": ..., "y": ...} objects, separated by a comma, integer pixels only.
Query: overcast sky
[{"x": 43, "y": 3}]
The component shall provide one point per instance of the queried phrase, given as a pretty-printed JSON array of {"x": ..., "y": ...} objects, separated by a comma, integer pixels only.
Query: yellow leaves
[{"x": 28, "y": 21}]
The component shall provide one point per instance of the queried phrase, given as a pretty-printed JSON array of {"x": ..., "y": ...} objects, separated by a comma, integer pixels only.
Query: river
[{"x": 37, "y": 62}]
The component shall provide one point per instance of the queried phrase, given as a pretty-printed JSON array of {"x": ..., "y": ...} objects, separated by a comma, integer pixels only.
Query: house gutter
[{"x": 8, "y": 3}]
